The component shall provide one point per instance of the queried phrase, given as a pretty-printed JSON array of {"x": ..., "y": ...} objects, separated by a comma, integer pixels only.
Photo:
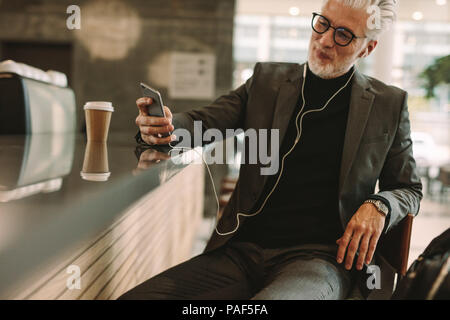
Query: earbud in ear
[{"x": 365, "y": 54}]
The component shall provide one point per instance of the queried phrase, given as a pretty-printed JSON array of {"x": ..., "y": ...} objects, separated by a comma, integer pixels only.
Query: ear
[
  {"x": 364, "y": 54},
  {"x": 370, "y": 47}
]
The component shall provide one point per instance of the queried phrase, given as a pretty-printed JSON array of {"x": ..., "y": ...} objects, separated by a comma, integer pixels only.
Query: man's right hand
[{"x": 153, "y": 128}]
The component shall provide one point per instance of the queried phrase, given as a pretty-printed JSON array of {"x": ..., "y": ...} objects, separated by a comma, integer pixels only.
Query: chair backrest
[{"x": 394, "y": 246}]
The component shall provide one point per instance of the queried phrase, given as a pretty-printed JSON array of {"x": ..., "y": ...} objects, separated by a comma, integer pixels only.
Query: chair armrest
[{"x": 394, "y": 246}]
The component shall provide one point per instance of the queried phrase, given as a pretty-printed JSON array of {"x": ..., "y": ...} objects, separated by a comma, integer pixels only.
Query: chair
[{"x": 394, "y": 246}]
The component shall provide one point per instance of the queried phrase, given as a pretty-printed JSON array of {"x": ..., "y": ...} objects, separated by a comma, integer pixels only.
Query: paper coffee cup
[
  {"x": 97, "y": 177},
  {"x": 98, "y": 118},
  {"x": 95, "y": 165}
]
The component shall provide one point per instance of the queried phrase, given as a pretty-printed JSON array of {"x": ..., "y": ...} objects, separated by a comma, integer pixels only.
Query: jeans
[{"x": 243, "y": 271}]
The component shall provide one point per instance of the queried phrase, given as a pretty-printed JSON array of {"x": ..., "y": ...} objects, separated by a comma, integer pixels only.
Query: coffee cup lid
[
  {"x": 95, "y": 176},
  {"x": 99, "y": 105}
]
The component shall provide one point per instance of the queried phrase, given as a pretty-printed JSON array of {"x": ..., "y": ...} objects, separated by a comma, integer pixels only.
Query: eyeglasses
[{"x": 342, "y": 36}]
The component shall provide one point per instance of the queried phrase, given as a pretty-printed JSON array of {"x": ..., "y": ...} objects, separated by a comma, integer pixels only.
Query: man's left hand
[{"x": 363, "y": 232}]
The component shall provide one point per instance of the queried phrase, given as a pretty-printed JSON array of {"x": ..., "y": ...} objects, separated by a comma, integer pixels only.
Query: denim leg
[
  {"x": 306, "y": 278},
  {"x": 229, "y": 273}
]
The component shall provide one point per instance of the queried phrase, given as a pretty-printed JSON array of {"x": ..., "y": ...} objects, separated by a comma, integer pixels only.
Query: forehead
[{"x": 344, "y": 16}]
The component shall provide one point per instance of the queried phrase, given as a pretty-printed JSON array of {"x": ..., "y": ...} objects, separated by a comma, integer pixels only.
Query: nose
[{"x": 327, "y": 39}]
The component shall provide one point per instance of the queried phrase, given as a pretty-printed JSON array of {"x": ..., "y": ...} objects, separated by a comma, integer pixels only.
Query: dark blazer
[{"x": 377, "y": 141}]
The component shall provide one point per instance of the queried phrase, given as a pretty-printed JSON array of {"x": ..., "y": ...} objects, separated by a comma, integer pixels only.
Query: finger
[
  {"x": 154, "y": 156},
  {"x": 372, "y": 247},
  {"x": 152, "y": 121},
  {"x": 142, "y": 104},
  {"x": 167, "y": 112},
  {"x": 146, "y": 138},
  {"x": 144, "y": 165},
  {"x": 364, "y": 246},
  {"x": 159, "y": 141},
  {"x": 147, "y": 155},
  {"x": 352, "y": 249},
  {"x": 155, "y": 131},
  {"x": 343, "y": 243}
]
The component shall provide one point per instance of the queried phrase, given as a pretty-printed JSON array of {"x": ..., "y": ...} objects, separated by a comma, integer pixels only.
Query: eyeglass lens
[{"x": 341, "y": 36}]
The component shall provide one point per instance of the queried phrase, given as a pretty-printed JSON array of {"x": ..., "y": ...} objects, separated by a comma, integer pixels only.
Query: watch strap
[{"x": 381, "y": 207}]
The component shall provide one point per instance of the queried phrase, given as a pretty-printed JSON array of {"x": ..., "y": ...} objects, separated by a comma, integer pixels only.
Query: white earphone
[{"x": 366, "y": 53}]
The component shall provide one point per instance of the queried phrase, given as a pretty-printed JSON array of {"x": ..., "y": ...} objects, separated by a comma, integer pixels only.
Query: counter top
[{"x": 45, "y": 203}]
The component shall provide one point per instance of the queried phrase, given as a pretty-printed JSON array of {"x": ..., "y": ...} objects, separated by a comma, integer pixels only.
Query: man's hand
[
  {"x": 363, "y": 232},
  {"x": 148, "y": 159},
  {"x": 152, "y": 128}
]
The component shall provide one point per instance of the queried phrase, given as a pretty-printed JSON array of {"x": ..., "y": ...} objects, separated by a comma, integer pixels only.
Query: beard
[{"x": 328, "y": 69}]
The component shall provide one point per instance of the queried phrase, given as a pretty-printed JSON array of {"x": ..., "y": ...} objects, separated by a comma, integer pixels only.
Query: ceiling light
[
  {"x": 294, "y": 11},
  {"x": 418, "y": 15},
  {"x": 441, "y": 2}
]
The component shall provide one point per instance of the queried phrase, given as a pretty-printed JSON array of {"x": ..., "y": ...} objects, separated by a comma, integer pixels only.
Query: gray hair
[{"x": 385, "y": 8}]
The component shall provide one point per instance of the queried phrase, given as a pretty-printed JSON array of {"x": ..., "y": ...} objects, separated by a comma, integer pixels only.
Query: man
[{"x": 309, "y": 230}]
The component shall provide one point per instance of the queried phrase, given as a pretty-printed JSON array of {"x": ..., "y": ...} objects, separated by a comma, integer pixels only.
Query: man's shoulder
[{"x": 378, "y": 87}]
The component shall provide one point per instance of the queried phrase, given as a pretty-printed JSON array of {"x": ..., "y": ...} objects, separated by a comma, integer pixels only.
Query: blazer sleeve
[
  {"x": 399, "y": 182},
  {"x": 226, "y": 112}
]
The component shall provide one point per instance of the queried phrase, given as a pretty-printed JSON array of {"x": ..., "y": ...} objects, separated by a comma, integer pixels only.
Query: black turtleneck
[{"x": 303, "y": 208}]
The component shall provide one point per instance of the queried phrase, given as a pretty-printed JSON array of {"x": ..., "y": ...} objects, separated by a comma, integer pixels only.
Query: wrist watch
[{"x": 381, "y": 207}]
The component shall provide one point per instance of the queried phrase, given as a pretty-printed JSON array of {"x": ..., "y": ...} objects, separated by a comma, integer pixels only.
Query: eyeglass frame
[{"x": 315, "y": 14}]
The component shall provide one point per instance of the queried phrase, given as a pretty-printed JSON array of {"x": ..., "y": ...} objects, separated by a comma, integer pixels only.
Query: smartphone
[{"x": 156, "y": 109}]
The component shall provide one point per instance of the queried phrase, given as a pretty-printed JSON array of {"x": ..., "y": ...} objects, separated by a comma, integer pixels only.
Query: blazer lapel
[
  {"x": 287, "y": 99},
  {"x": 361, "y": 102}
]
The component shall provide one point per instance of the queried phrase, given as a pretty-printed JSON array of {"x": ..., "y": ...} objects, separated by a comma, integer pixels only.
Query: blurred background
[{"x": 196, "y": 50}]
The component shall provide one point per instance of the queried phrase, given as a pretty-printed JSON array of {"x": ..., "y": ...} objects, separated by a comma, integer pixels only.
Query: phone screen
[{"x": 156, "y": 109}]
